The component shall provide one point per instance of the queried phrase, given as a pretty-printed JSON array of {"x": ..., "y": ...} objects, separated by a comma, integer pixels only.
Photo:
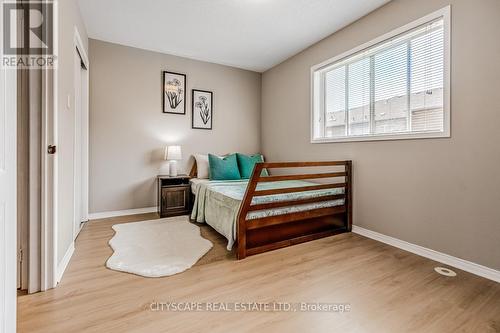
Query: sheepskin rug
[{"x": 157, "y": 248}]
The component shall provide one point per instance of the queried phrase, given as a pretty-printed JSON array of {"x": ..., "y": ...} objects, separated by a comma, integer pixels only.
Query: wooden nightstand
[{"x": 174, "y": 195}]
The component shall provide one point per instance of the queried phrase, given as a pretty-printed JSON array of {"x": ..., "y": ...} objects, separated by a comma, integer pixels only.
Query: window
[{"x": 394, "y": 87}]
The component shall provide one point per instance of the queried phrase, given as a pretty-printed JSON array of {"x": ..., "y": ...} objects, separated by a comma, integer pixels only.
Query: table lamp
[{"x": 173, "y": 154}]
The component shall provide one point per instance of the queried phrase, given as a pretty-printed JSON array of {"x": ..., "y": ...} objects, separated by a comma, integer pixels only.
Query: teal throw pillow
[
  {"x": 246, "y": 164},
  {"x": 223, "y": 168}
]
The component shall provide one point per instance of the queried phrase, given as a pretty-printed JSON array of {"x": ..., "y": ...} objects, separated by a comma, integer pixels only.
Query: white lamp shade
[{"x": 173, "y": 153}]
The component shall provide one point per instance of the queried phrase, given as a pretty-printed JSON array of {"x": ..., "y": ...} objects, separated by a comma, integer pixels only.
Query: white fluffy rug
[{"x": 157, "y": 248}]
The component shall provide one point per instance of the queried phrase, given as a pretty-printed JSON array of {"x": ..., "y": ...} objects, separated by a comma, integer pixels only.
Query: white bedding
[{"x": 195, "y": 182}]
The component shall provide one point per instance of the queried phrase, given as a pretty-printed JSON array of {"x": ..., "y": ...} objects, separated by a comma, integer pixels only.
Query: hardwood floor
[{"x": 388, "y": 290}]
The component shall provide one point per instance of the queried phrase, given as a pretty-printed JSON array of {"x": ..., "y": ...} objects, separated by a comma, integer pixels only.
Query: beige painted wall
[
  {"x": 128, "y": 131},
  {"x": 443, "y": 194},
  {"x": 69, "y": 18}
]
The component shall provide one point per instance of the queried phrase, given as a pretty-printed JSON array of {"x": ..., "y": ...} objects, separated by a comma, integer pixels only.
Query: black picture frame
[
  {"x": 167, "y": 108},
  {"x": 197, "y": 119}
]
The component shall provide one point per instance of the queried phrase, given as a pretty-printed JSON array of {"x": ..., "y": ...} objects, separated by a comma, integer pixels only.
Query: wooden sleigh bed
[{"x": 266, "y": 233}]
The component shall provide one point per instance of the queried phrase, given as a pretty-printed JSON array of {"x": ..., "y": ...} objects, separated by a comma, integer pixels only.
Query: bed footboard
[{"x": 273, "y": 232}]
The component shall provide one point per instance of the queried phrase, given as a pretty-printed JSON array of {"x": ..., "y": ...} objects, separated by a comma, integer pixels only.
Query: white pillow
[{"x": 201, "y": 165}]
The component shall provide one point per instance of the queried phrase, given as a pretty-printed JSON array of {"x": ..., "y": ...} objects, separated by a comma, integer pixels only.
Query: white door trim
[
  {"x": 48, "y": 227},
  {"x": 8, "y": 216},
  {"x": 49, "y": 170},
  {"x": 79, "y": 45},
  {"x": 84, "y": 126},
  {"x": 77, "y": 144},
  {"x": 35, "y": 175}
]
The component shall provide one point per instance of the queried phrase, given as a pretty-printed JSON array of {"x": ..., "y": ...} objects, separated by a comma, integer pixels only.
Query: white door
[{"x": 8, "y": 234}]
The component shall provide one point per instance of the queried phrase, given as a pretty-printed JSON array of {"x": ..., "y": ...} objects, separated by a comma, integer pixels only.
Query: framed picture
[
  {"x": 202, "y": 109},
  {"x": 174, "y": 93}
]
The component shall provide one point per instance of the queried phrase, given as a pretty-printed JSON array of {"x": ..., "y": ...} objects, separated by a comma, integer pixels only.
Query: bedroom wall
[
  {"x": 128, "y": 131},
  {"x": 438, "y": 193}
]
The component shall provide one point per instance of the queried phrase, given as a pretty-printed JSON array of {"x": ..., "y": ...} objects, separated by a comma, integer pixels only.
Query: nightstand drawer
[
  {"x": 173, "y": 181},
  {"x": 175, "y": 200}
]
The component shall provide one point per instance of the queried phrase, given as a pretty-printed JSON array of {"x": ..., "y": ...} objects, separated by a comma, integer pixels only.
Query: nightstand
[{"x": 174, "y": 195}]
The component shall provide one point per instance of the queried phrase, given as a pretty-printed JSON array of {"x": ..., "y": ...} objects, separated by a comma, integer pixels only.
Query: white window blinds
[{"x": 390, "y": 89}]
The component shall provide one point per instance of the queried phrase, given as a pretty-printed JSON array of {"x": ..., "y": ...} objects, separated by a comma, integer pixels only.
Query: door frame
[
  {"x": 49, "y": 180},
  {"x": 8, "y": 212},
  {"x": 48, "y": 227},
  {"x": 23, "y": 167},
  {"x": 84, "y": 151}
]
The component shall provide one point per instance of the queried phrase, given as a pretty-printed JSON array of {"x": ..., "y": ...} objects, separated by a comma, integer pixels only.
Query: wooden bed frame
[{"x": 274, "y": 232}]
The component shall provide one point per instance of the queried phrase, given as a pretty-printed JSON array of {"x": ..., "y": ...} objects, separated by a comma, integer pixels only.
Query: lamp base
[
  {"x": 165, "y": 168},
  {"x": 173, "y": 168}
]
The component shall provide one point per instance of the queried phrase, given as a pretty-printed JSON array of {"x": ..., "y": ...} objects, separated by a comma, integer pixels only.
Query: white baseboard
[
  {"x": 64, "y": 262},
  {"x": 468, "y": 266},
  {"x": 103, "y": 215}
]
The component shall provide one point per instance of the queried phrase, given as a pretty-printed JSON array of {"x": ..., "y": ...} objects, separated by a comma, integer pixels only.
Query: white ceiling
[{"x": 250, "y": 34}]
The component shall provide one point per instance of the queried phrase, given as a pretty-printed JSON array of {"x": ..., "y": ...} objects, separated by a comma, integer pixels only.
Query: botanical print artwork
[
  {"x": 174, "y": 93},
  {"x": 202, "y": 109}
]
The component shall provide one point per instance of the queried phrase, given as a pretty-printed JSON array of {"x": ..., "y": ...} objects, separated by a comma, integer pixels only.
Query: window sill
[{"x": 386, "y": 137}]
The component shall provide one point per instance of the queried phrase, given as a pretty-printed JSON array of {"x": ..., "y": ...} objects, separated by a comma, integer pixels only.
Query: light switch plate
[{"x": 68, "y": 103}]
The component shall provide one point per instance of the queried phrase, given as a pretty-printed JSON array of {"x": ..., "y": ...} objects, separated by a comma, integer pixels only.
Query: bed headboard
[{"x": 194, "y": 170}]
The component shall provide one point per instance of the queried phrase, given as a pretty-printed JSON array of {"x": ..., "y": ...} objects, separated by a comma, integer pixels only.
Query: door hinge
[{"x": 51, "y": 149}]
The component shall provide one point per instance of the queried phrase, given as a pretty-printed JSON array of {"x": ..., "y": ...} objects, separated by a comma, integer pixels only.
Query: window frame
[{"x": 445, "y": 14}]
